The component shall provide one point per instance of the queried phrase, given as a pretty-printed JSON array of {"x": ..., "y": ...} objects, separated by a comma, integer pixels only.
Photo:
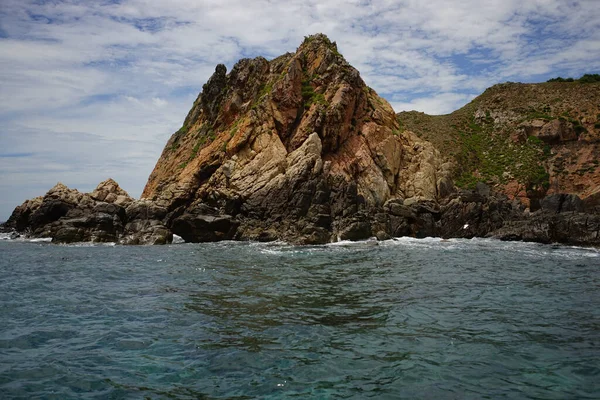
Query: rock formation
[
  {"x": 297, "y": 148},
  {"x": 300, "y": 149},
  {"x": 108, "y": 214}
]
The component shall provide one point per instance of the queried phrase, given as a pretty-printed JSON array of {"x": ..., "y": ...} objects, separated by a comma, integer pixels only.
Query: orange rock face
[{"x": 261, "y": 127}]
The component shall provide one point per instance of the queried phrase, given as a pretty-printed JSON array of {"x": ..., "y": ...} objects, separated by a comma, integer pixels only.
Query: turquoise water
[{"x": 424, "y": 319}]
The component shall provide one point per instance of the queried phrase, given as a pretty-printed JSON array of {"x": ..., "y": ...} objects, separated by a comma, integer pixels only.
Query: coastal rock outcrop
[
  {"x": 300, "y": 149},
  {"x": 297, "y": 148},
  {"x": 575, "y": 228},
  {"x": 108, "y": 214},
  {"x": 67, "y": 215}
]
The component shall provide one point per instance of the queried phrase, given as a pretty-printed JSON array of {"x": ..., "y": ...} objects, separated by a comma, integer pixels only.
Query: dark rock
[
  {"x": 68, "y": 234},
  {"x": 400, "y": 210},
  {"x": 572, "y": 202},
  {"x": 575, "y": 228},
  {"x": 382, "y": 235},
  {"x": 481, "y": 215},
  {"x": 561, "y": 202},
  {"x": 146, "y": 232},
  {"x": 427, "y": 206},
  {"x": 322, "y": 220},
  {"x": 267, "y": 236},
  {"x": 400, "y": 226},
  {"x": 20, "y": 217},
  {"x": 483, "y": 189},
  {"x": 314, "y": 235},
  {"x": 425, "y": 226},
  {"x": 145, "y": 210},
  {"x": 50, "y": 211},
  {"x": 591, "y": 204},
  {"x": 204, "y": 228},
  {"x": 356, "y": 231},
  {"x": 445, "y": 187},
  {"x": 547, "y": 226},
  {"x": 110, "y": 209},
  {"x": 551, "y": 203},
  {"x": 469, "y": 196}
]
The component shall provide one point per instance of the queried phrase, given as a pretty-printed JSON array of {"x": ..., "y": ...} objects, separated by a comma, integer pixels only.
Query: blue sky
[{"x": 93, "y": 89}]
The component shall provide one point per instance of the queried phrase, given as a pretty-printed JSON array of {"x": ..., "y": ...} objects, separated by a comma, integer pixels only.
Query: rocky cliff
[
  {"x": 296, "y": 148},
  {"x": 300, "y": 149}
]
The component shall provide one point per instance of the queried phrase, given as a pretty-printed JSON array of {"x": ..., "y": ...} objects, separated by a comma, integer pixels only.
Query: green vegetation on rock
[
  {"x": 309, "y": 96},
  {"x": 234, "y": 127},
  {"x": 323, "y": 38},
  {"x": 177, "y": 137},
  {"x": 265, "y": 89},
  {"x": 484, "y": 156}
]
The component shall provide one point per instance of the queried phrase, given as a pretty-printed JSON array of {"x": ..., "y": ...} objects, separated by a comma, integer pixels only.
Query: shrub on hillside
[
  {"x": 587, "y": 78},
  {"x": 559, "y": 79}
]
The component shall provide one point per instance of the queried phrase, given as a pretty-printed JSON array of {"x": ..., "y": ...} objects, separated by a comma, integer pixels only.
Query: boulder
[
  {"x": 558, "y": 130},
  {"x": 20, "y": 219},
  {"x": 358, "y": 230},
  {"x": 562, "y": 202},
  {"x": 109, "y": 191}
]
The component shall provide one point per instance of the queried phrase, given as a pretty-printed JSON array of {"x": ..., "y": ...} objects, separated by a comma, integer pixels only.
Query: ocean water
[{"x": 407, "y": 318}]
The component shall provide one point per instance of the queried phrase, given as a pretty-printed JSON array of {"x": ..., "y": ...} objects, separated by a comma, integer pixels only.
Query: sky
[{"x": 92, "y": 89}]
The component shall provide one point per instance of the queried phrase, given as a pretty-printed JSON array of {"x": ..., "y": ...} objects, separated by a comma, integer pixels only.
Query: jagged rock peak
[
  {"x": 109, "y": 191},
  {"x": 299, "y": 149},
  {"x": 109, "y": 184},
  {"x": 319, "y": 43},
  {"x": 252, "y": 80},
  {"x": 59, "y": 187},
  {"x": 300, "y": 137}
]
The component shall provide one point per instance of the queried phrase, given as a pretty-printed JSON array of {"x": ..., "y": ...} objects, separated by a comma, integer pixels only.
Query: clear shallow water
[{"x": 405, "y": 319}]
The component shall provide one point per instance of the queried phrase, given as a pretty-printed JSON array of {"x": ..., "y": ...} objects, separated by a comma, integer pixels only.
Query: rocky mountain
[
  {"x": 300, "y": 149},
  {"x": 295, "y": 148}
]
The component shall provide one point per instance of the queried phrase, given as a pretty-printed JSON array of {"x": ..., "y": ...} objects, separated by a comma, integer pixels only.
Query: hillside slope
[{"x": 526, "y": 140}]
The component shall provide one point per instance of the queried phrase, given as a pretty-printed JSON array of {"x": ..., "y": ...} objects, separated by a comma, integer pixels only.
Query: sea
[{"x": 398, "y": 319}]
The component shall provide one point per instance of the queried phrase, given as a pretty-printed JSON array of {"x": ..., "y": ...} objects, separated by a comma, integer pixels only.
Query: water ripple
[{"x": 404, "y": 318}]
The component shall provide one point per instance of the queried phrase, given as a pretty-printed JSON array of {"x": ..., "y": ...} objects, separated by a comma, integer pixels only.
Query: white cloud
[
  {"x": 158, "y": 102},
  {"x": 443, "y": 103},
  {"x": 93, "y": 89}
]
